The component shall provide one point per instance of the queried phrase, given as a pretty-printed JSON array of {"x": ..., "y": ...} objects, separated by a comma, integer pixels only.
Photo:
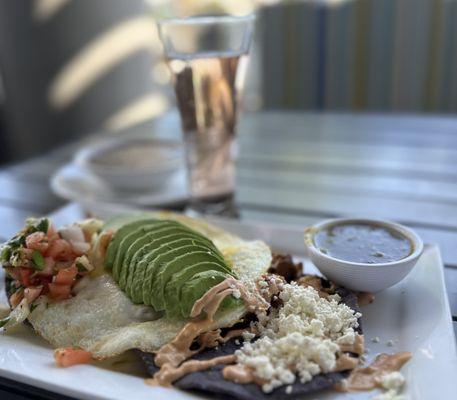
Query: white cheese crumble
[
  {"x": 302, "y": 337},
  {"x": 393, "y": 380},
  {"x": 247, "y": 336},
  {"x": 375, "y": 339}
]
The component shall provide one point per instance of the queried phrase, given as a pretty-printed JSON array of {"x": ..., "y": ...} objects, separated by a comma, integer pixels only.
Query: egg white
[{"x": 103, "y": 320}]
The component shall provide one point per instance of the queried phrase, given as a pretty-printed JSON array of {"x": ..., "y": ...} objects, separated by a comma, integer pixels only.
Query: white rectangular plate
[{"x": 414, "y": 314}]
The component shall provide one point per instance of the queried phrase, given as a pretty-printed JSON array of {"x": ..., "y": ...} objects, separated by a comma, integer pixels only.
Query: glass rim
[{"x": 207, "y": 19}]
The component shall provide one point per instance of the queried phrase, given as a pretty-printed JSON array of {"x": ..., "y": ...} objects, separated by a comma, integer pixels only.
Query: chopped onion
[
  {"x": 80, "y": 248},
  {"x": 83, "y": 264},
  {"x": 72, "y": 233}
]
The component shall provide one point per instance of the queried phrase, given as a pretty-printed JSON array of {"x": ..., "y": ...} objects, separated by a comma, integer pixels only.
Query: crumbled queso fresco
[
  {"x": 304, "y": 333},
  {"x": 392, "y": 382}
]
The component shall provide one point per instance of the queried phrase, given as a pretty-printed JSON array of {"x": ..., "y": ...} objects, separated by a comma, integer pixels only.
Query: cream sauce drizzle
[
  {"x": 228, "y": 286},
  {"x": 214, "y": 338},
  {"x": 169, "y": 374},
  {"x": 369, "y": 378},
  {"x": 345, "y": 362},
  {"x": 241, "y": 374},
  {"x": 171, "y": 357}
]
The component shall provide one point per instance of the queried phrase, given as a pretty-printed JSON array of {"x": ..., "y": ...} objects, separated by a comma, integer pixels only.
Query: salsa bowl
[{"x": 363, "y": 276}]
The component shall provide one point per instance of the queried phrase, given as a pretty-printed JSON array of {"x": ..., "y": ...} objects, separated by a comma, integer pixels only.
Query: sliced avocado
[
  {"x": 152, "y": 241},
  {"x": 148, "y": 262},
  {"x": 158, "y": 242},
  {"x": 151, "y": 294},
  {"x": 167, "y": 230},
  {"x": 196, "y": 287},
  {"x": 142, "y": 241},
  {"x": 152, "y": 282},
  {"x": 171, "y": 263},
  {"x": 174, "y": 285},
  {"x": 124, "y": 245},
  {"x": 117, "y": 238},
  {"x": 152, "y": 260},
  {"x": 142, "y": 238}
]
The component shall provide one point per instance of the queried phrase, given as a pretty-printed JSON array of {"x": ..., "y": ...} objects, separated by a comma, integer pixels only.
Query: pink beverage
[
  {"x": 207, "y": 88},
  {"x": 207, "y": 56}
]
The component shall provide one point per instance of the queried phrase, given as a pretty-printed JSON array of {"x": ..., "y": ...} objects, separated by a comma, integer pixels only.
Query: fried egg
[{"x": 101, "y": 319}]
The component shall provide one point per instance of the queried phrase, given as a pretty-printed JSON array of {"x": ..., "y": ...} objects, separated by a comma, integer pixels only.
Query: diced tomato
[
  {"x": 32, "y": 292},
  {"x": 59, "y": 292},
  {"x": 66, "y": 276},
  {"x": 66, "y": 357},
  {"x": 24, "y": 276},
  {"x": 60, "y": 250},
  {"x": 37, "y": 241},
  {"x": 16, "y": 297}
]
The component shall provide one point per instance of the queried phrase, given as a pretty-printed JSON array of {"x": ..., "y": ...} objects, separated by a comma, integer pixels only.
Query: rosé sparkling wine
[
  {"x": 207, "y": 90},
  {"x": 207, "y": 56}
]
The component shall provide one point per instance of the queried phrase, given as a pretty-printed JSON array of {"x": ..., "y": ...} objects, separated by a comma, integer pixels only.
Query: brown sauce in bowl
[{"x": 363, "y": 243}]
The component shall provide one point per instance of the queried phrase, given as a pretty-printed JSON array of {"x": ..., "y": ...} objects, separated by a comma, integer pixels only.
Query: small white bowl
[
  {"x": 363, "y": 277},
  {"x": 151, "y": 163}
]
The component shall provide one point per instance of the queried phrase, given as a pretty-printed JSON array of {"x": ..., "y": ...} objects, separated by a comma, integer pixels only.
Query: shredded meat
[
  {"x": 283, "y": 265},
  {"x": 323, "y": 286}
]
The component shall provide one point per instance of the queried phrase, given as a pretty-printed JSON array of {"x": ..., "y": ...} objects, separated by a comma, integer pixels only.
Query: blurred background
[{"x": 69, "y": 68}]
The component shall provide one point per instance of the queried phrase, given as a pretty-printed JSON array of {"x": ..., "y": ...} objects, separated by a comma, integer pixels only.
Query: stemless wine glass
[{"x": 207, "y": 56}]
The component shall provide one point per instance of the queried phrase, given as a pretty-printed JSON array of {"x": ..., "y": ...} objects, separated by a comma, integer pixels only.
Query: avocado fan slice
[
  {"x": 167, "y": 230},
  {"x": 142, "y": 238},
  {"x": 151, "y": 284},
  {"x": 195, "y": 288},
  {"x": 150, "y": 268},
  {"x": 160, "y": 242},
  {"x": 125, "y": 243},
  {"x": 174, "y": 262},
  {"x": 148, "y": 255},
  {"x": 173, "y": 287},
  {"x": 117, "y": 238}
]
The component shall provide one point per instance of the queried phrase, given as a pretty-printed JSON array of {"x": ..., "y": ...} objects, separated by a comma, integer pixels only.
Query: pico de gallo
[{"x": 42, "y": 261}]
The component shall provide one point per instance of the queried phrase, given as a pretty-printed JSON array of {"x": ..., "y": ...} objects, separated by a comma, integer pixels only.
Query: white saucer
[{"x": 76, "y": 184}]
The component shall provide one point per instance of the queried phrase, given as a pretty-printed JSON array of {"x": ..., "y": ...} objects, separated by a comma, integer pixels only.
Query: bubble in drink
[{"x": 207, "y": 89}]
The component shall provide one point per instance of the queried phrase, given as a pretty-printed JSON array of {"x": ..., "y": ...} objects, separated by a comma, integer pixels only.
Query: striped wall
[{"x": 386, "y": 55}]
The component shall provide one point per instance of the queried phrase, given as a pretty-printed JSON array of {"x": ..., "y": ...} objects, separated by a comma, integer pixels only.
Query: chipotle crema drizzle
[{"x": 173, "y": 358}]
